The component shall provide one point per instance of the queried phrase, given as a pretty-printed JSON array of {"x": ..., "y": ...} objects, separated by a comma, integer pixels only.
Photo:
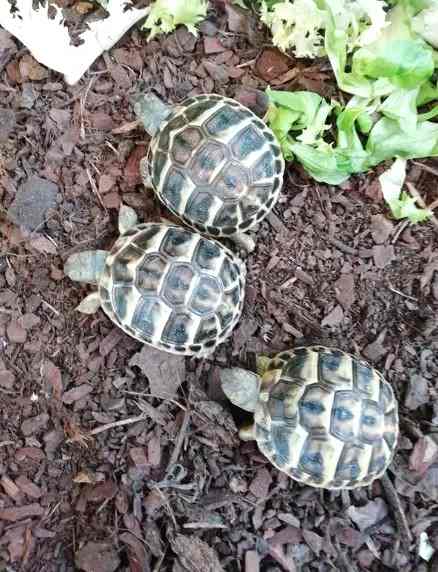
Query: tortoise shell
[
  {"x": 215, "y": 165},
  {"x": 326, "y": 418},
  {"x": 173, "y": 289}
]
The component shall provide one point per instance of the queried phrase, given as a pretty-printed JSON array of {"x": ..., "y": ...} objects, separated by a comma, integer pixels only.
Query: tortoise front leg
[{"x": 247, "y": 432}]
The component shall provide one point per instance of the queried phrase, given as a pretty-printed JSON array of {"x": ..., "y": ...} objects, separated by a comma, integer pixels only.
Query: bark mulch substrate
[{"x": 118, "y": 457}]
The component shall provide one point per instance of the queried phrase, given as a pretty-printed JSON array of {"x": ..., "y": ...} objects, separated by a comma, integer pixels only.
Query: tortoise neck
[{"x": 151, "y": 111}]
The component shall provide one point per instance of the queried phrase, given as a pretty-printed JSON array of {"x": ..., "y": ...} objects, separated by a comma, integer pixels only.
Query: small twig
[
  {"x": 399, "y": 229},
  {"x": 399, "y": 515},
  {"x": 204, "y": 525},
  {"x": 83, "y": 101},
  {"x": 160, "y": 561},
  {"x": 126, "y": 127},
  {"x": 51, "y": 307},
  {"x": 426, "y": 168},
  {"x": 180, "y": 440},
  {"x": 120, "y": 423},
  {"x": 390, "y": 287},
  {"x": 247, "y": 64},
  {"x": 113, "y": 149},
  {"x": 95, "y": 189},
  {"x": 144, "y": 394}
]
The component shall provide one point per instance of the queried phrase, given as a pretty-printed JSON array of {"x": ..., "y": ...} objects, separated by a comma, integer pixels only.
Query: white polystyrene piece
[{"x": 49, "y": 42}]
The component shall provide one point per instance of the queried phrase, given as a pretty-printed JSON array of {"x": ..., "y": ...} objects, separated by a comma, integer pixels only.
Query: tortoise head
[
  {"x": 151, "y": 111},
  {"x": 86, "y": 266},
  {"x": 241, "y": 387}
]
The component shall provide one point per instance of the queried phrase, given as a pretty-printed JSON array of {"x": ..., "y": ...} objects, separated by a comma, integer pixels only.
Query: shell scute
[
  {"x": 208, "y": 256},
  {"x": 227, "y": 216},
  {"x": 173, "y": 187},
  {"x": 177, "y": 242},
  {"x": 178, "y": 328},
  {"x": 184, "y": 144},
  {"x": 222, "y": 120},
  {"x": 199, "y": 206},
  {"x": 207, "y": 329},
  {"x": 122, "y": 270},
  {"x": 206, "y": 162},
  {"x": 178, "y": 283},
  {"x": 345, "y": 415},
  {"x": 150, "y": 273},
  {"x": 205, "y": 296},
  {"x": 157, "y": 167},
  {"x": 246, "y": 142},
  {"x": 147, "y": 316},
  {"x": 232, "y": 182}
]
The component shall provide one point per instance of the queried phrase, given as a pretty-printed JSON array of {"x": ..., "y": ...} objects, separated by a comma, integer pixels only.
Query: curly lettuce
[
  {"x": 296, "y": 25},
  {"x": 165, "y": 15},
  {"x": 299, "y": 24}
]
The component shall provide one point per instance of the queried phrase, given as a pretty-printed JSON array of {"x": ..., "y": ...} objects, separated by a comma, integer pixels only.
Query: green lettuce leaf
[
  {"x": 387, "y": 140},
  {"x": 425, "y": 23},
  {"x": 401, "y": 105},
  {"x": 397, "y": 59},
  {"x": 400, "y": 203},
  {"x": 368, "y": 132}
]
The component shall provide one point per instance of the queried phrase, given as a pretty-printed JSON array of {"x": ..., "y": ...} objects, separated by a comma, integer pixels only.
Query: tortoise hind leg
[
  {"x": 243, "y": 241},
  {"x": 90, "y": 304}
]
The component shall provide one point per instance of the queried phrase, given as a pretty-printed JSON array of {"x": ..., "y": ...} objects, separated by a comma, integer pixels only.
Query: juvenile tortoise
[
  {"x": 164, "y": 285},
  {"x": 322, "y": 416},
  {"x": 211, "y": 161}
]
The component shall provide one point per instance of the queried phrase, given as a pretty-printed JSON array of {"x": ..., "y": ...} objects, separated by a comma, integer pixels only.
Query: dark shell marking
[
  {"x": 331, "y": 420},
  {"x": 216, "y": 165},
  {"x": 171, "y": 288}
]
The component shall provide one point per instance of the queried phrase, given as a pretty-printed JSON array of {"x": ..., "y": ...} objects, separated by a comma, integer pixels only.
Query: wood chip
[
  {"x": 333, "y": 318},
  {"x": 195, "y": 554},
  {"x": 28, "y": 487},
  {"x": 9, "y": 487},
  {"x": 19, "y": 513},
  {"x": 252, "y": 561},
  {"x": 344, "y": 290},
  {"x": 164, "y": 371},
  {"x": 33, "y": 425},
  {"x": 383, "y": 255},
  {"x": 97, "y": 557},
  {"x": 76, "y": 393},
  {"x": 261, "y": 483},
  {"x": 51, "y": 374}
]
